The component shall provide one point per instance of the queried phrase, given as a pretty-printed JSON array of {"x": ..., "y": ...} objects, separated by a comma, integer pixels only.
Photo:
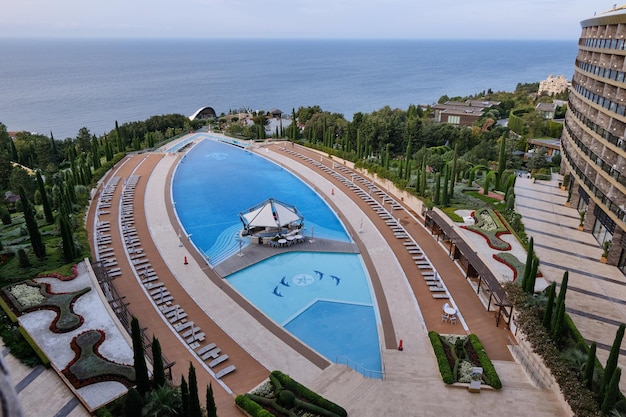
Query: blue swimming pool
[
  {"x": 215, "y": 182},
  {"x": 324, "y": 299}
]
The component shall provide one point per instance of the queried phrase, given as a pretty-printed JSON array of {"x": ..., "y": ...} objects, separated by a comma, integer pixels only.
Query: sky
[{"x": 297, "y": 19}]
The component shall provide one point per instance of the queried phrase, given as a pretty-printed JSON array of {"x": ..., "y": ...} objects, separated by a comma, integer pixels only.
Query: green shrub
[
  {"x": 442, "y": 360},
  {"x": 489, "y": 372},
  {"x": 103, "y": 412},
  {"x": 252, "y": 408},
  {"x": 300, "y": 390}
]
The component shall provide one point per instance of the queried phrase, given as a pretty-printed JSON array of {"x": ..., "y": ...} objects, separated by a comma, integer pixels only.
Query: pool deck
[
  {"x": 256, "y": 345},
  {"x": 253, "y": 254}
]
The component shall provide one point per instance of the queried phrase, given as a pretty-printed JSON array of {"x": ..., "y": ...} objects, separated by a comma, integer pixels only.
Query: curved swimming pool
[{"x": 324, "y": 299}]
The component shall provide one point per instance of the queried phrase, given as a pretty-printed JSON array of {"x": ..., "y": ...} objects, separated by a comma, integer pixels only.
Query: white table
[
  {"x": 450, "y": 311},
  {"x": 282, "y": 242}
]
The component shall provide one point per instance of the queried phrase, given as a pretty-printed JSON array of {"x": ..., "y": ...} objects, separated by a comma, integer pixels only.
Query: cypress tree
[
  {"x": 211, "y": 409},
  {"x": 67, "y": 237},
  {"x": 194, "y": 401},
  {"x": 561, "y": 298},
  {"x": 488, "y": 177},
  {"x": 501, "y": 161},
  {"x": 407, "y": 174},
  {"x": 445, "y": 199},
  {"x": 387, "y": 157},
  {"x": 158, "y": 370},
  {"x": 557, "y": 329},
  {"x": 47, "y": 210},
  {"x": 36, "y": 241},
  {"x": 454, "y": 173},
  {"x": 14, "y": 155},
  {"x": 139, "y": 359},
  {"x": 53, "y": 147},
  {"x": 528, "y": 265},
  {"x": 437, "y": 188},
  {"x": 133, "y": 403},
  {"x": 532, "y": 278},
  {"x": 611, "y": 362},
  {"x": 294, "y": 125},
  {"x": 184, "y": 396},
  {"x": 547, "y": 314},
  {"x": 590, "y": 367},
  {"x": 612, "y": 392},
  {"x": 423, "y": 180},
  {"x": 120, "y": 140}
]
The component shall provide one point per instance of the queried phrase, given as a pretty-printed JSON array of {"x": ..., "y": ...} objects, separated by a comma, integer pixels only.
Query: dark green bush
[
  {"x": 252, "y": 408},
  {"x": 442, "y": 360},
  {"x": 300, "y": 390},
  {"x": 489, "y": 372}
]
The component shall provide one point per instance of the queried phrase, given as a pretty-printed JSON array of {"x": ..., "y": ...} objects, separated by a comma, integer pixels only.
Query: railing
[
  {"x": 368, "y": 373},
  {"x": 124, "y": 315}
]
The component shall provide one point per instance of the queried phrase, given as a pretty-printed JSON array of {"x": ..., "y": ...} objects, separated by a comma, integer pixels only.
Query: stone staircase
[{"x": 343, "y": 385}]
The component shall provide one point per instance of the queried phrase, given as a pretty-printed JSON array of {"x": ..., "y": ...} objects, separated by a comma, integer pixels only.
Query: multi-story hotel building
[{"x": 593, "y": 141}]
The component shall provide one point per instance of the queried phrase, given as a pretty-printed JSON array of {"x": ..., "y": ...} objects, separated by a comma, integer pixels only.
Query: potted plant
[
  {"x": 606, "y": 246},
  {"x": 582, "y": 219},
  {"x": 569, "y": 197}
]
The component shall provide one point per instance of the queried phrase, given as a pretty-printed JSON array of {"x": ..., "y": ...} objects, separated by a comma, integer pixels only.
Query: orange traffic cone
[
  {"x": 186, "y": 261},
  {"x": 400, "y": 347}
]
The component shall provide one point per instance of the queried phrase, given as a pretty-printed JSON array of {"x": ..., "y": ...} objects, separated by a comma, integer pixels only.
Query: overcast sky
[{"x": 290, "y": 19}]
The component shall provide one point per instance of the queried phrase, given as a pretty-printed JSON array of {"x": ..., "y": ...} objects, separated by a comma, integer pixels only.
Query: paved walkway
[
  {"x": 413, "y": 381},
  {"x": 33, "y": 383},
  {"x": 596, "y": 292},
  {"x": 255, "y": 344}
]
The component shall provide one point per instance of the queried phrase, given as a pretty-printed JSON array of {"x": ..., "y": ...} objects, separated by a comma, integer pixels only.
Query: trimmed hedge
[
  {"x": 252, "y": 408},
  {"x": 489, "y": 372},
  {"x": 442, "y": 360},
  {"x": 300, "y": 390}
]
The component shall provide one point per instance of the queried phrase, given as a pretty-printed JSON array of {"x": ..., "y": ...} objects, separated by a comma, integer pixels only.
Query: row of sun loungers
[
  {"x": 422, "y": 263},
  {"x": 173, "y": 313}
]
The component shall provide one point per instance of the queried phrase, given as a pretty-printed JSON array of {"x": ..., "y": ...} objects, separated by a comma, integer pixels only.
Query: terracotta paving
[
  {"x": 148, "y": 316},
  {"x": 480, "y": 322},
  {"x": 249, "y": 371}
]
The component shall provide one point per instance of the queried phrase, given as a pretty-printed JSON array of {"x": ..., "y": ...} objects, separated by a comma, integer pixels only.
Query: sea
[{"x": 59, "y": 86}]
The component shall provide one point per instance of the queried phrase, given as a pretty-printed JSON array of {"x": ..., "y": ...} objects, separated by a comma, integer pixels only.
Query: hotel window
[{"x": 455, "y": 120}]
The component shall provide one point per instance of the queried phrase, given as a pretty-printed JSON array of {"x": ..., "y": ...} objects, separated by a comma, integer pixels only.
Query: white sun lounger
[
  {"x": 217, "y": 360},
  {"x": 206, "y": 348},
  {"x": 225, "y": 371},
  {"x": 213, "y": 353}
]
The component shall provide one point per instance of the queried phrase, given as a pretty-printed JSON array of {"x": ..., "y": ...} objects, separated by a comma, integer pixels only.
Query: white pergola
[{"x": 271, "y": 214}]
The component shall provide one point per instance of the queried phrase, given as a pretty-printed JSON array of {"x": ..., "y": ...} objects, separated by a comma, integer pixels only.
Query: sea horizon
[{"x": 60, "y": 85}]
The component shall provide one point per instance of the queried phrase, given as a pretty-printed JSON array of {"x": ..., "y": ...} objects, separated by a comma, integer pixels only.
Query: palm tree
[{"x": 164, "y": 401}]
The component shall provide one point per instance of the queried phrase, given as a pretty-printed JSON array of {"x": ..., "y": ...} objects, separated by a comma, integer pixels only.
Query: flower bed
[
  {"x": 28, "y": 296},
  {"x": 94, "y": 354},
  {"x": 490, "y": 226},
  {"x": 457, "y": 356},
  {"x": 89, "y": 366}
]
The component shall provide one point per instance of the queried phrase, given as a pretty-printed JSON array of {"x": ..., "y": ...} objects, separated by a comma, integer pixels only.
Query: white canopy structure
[{"x": 271, "y": 214}]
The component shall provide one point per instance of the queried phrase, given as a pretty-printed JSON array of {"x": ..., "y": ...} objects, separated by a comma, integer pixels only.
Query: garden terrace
[{"x": 471, "y": 262}]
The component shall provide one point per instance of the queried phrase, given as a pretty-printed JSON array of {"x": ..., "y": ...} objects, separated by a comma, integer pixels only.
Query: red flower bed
[{"x": 103, "y": 368}]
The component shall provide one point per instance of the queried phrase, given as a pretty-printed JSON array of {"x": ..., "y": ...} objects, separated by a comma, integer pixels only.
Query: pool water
[
  {"x": 324, "y": 299},
  {"x": 215, "y": 182}
]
